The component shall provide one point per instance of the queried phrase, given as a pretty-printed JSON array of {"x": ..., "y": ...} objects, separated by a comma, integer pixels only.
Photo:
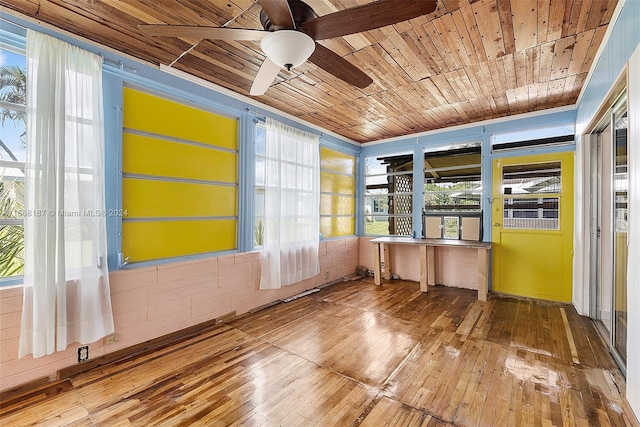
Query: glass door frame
[
  {"x": 619, "y": 110},
  {"x": 597, "y": 258}
]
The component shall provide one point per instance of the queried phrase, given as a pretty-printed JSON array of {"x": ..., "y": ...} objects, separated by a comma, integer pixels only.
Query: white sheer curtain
[
  {"x": 66, "y": 289},
  {"x": 292, "y": 206}
]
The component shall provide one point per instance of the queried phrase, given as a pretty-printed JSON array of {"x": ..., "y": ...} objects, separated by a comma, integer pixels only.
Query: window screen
[{"x": 531, "y": 195}]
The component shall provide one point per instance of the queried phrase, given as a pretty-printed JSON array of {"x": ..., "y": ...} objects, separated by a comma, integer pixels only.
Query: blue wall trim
[
  {"x": 247, "y": 183},
  {"x": 112, "y": 86}
]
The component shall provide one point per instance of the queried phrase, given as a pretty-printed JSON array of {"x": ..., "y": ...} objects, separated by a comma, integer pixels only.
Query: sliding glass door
[
  {"x": 620, "y": 231},
  {"x": 610, "y": 186}
]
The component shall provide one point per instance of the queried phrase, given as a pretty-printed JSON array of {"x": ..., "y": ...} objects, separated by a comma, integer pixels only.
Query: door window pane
[{"x": 522, "y": 187}]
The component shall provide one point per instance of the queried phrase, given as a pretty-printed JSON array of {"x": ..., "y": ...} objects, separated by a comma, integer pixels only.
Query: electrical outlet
[
  {"x": 111, "y": 339},
  {"x": 326, "y": 274},
  {"x": 83, "y": 354}
]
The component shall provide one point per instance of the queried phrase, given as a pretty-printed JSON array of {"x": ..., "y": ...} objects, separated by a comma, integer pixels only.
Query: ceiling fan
[{"x": 291, "y": 29}]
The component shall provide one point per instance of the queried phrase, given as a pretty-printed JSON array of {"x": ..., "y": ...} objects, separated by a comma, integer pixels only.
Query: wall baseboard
[
  {"x": 145, "y": 347},
  {"x": 11, "y": 394}
]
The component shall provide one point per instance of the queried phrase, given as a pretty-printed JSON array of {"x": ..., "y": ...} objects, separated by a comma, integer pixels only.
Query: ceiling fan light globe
[{"x": 288, "y": 48}]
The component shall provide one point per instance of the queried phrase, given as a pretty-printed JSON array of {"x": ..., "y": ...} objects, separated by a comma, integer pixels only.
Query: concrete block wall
[{"x": 149, "y": 302}]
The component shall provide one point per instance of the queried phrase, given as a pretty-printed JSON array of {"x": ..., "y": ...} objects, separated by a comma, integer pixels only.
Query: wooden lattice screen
[{"x": 400, "y": 204}]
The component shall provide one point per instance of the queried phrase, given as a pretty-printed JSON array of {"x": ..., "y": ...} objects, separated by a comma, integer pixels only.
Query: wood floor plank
[
  {"x": 471, "y": 319},
  {"x": 57, "y": 409},
  {"x": 355, "y": 354},
  {"x": 569, "y": 335},
  {"x": 363, "y": 345},
  {"x": 388, "y": 412},
  {"x": 277, "y": 316},
  {"x": 218, "y": 335}
]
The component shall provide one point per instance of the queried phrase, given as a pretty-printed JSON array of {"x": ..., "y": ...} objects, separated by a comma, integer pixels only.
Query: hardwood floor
[{"x": 355, "y": 354}]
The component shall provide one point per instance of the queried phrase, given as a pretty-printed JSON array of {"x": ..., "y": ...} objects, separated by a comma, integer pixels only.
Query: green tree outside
[{"x": 13, "y": 90}]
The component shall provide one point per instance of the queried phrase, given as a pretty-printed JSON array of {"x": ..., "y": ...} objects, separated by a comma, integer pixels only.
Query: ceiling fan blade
[
  {"x": 197, "y": 32},
  {"x": 366, "y": 17},
  {"x": 278, "y": 12},
  {"x": 266, "y": 75},
  {"x": 334, "y": 64}
]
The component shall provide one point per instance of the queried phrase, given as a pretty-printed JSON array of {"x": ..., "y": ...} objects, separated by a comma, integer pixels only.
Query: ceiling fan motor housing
[{"x": 300, "y": 11}]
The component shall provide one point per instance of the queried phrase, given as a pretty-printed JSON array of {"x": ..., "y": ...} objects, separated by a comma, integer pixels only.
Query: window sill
[{"x": 11, "y": 282}]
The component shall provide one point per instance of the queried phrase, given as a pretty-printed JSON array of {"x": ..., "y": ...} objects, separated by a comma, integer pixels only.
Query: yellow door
[{"x": 532, "y": 217}]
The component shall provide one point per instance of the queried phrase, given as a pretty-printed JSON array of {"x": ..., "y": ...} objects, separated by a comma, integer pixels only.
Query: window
[
  {"x": 452, "y": 178},
  {"x": 337, "y": 193},
  {"x": 389, "y": 195},
  {"x": 532, "y": 196},
  {"x": 179, "y": 184},
  {"x": 542, "y": 137},
  {"x": 291, "y": 205},
  {"x": 12, "y": 160},
  {"x": 453, "y": 192},
  {"x": 258, "y": 229},
  {"x": 451, "y": 227}
]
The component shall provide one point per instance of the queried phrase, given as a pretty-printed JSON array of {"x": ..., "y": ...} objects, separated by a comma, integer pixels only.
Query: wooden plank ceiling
[{"x": 469, "y": 60}]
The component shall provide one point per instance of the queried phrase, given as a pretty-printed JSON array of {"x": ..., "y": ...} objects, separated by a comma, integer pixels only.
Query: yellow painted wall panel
[
  {"x": 143, "y": 198},
  {"x": 337, "y": 226},
  {"x": 144, "y": 241},
  {"x": 337, "y": 161},
  {"x": 150, "y": 156},
  {"x": 337, "y": 205},
  {"x": 335, "y": 183},
  {"x": 153, "y": 114}
]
